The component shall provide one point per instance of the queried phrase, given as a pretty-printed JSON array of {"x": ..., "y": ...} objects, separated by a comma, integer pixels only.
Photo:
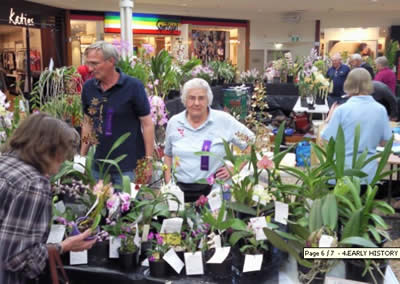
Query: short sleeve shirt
[
  {"x": 114, "y": 113},
  {"x": 374, "y": 128},
  {"x": 183, "y": 141},
  {"x": 338, "y": 77}
]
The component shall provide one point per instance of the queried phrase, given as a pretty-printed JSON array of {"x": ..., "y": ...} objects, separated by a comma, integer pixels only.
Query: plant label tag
[
  {"x": 146, "y": 229},
  {"x": 134, "y": 191},
  {"x": 56, "y": 234},
  {"x": 173, "y": 205},
  {"x": 217, "y": 241},
  {"x": 190, "y": 223},
  {"x": 79, "y": 164},
  {"x": 281, "y": 212},
  {"x": 220, "y": 255},
  {"x": 334, "y": 280},
  {"x": 194, "y": 263},
  {"x": 115, "y": 244},
  {"x": 136, "y": 239},
  {"x": 145, "y": 262},
  {"x": 172, "y": 225},
  {"x": 60, "y": 207},
  {"x": 115, "y": 206},
  {"x": 78, "y": 257},
  {"x": 252, "y": 262},
  {"x": 325, "y": 241},
  {"x": 214, "y": 200},
  {"x": 173, "y": 259},
  {"x": 256, "y": 199},
  {"x": 201, "y": 243},
  {"x": 257, "y": 224}
]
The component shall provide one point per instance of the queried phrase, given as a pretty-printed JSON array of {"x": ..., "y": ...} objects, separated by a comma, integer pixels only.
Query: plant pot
[
  {"x": 318, "y": 279},
  {"x": 220, "y": 270},
  {"x": 145, "y": 247},
  {"x": 158, "y": 268},
  {"x": 276, "y": 80},
  {"x": 290, "y": 79},
  {"x": 303, "y": 101},
  {"x": 319, "y": 100},
  {"x": 127, "y": 261},
  {"x": 355, "y": 268},
  {"x": 173, "y": 94},
  {"x": 98, "y": 254},
  {"x": 171, "y": 271},
  {"x": 75, "y": 229}
]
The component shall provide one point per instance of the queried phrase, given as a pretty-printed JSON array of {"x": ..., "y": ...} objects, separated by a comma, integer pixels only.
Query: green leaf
[
  {"x": 117, "y": 143},
  {"x": 299, "y": 230},
  {"x": 238, "y": 224},
  {"x": 356, "y": 144},
  {"x": 384, "y": 207},
  {"x": 352, "y": 227},
  {"x": 329, "y": 211},
  {"x": 236, "y": 236},
  {"x": 379, "y": 221},
  {"x": 375, "y": 234},
  {"x": 361, "y": 159},
  {"x": 205, "y": 153},
  {"x": 126, "y": 184},
  {"x": 383, "y": 161},
  {"x": 279, "y": 243},
  {"x": 315, "y": 219},
  {"x": 358, "y": 241},
  {"x": 354, "y": 173},
  {"x": 278, "y": 139},
  {"x": 242, "y": 208},
  {"x": 340, "y": 152}
]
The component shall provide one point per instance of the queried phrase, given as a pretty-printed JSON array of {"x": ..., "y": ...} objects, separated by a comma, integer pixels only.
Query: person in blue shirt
[
  {"x": 114, "y": 104},
  {"x": 360, "y": 109},
  {"x": 200, "y": 128},
  {"x": 337, "y": 74}
]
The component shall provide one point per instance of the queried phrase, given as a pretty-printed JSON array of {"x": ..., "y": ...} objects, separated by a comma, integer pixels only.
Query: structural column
[{"x": 126, "y": 7}]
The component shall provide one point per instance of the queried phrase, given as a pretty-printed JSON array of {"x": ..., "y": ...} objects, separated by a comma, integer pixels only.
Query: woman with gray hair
[
  {"x": 361, "y": 109},
  {"x": 385, "y": 74},
  {"x": 200, "y": 128}
]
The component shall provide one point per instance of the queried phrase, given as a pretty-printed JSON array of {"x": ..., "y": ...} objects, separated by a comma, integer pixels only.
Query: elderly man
[
  {"x": 357, "y": 61},
  {"x": 115, "y": 104},
  {"x": 385, "y": 74},
  {"x": 337, "y": 74}
]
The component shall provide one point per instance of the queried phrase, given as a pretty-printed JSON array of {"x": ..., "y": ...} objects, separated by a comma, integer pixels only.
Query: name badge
[{"x": 205, "y": 160}]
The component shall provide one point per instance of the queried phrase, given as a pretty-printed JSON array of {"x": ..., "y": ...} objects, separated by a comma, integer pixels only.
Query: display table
[{"x": 322, "y": 109}]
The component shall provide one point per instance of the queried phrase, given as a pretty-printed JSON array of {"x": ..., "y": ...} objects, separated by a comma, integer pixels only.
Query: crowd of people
[{"x": 114, "y": 104}]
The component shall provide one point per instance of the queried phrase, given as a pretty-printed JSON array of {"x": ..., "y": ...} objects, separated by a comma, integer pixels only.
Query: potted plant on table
[
  {"x": 128, "y": 252},
  {"x": 158, "y": 266}
]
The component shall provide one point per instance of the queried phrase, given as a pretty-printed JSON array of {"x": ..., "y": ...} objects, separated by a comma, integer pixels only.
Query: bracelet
[{"x": 59, "y": 248}]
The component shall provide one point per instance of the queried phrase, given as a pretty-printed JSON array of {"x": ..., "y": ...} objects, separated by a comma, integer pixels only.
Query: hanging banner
[{"x": 143, "y": 24}]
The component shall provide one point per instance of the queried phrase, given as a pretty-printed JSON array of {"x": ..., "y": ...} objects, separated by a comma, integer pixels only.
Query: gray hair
[
  {"x": 336, "y": 56},
  {"x": 356, "y": 56},
  {"x": 358, "y": 82},
  {"x": 382, "y": 60},
  {"x": 108, "y": 50},
  {"x": 196, "y": 83}
]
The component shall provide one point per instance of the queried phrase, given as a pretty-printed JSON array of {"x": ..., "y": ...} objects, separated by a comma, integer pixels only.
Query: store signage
[
  {"x": 20, "y": 20},
  {"x": 144, "y": 24},
  {"x": 167, "y": 26}
]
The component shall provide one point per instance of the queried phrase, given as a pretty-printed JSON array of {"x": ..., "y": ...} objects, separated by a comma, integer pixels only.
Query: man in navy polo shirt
[
  {"x": 114, "y": 104},
  {"x": 337, "y": 74}
]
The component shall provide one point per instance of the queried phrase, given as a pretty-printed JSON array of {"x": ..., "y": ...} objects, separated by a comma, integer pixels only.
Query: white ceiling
[{"x": 234, "y": 9}]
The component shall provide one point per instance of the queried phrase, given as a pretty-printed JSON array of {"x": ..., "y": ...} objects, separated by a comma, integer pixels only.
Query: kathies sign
[{"x": 20, "y": 20}]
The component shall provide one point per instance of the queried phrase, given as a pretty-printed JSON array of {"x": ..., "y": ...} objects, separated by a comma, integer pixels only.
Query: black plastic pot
[
  {"x": 143, "y": 252},
  {"x": 220, "y": 270},
  {"x": 355, "y": 268},
  {"x": 98, "y": 254},
  {"x": 171, "y": 271},
  {"x": 303, "y": 102},
  {"x": 158, "y": 269},
  {"x": 290, "y": 79},
  {"x": 319, "y": 100},
  {"x": 127, "y": 261}
]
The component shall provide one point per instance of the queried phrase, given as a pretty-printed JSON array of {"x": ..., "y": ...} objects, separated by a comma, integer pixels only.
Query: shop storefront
[
  {"x": 184, "y": 37},
  {"x": 25, "y": 28}
]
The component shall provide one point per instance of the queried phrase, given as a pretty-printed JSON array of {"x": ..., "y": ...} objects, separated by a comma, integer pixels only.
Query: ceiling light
[{"x": 278, "y": 45}]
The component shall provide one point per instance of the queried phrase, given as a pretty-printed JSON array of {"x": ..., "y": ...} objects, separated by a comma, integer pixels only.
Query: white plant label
[{"x": 281, "y": 212}]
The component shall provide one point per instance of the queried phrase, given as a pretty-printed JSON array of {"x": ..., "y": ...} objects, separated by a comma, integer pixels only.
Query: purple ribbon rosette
[{"x": 205, "y": 160}]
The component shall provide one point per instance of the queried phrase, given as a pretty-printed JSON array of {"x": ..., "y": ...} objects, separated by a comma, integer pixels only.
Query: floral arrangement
[
  {"x": 249, "y": 76},
  {"x": 158, "y": 247},
  {"x": 310, "y": 80},
  {"x": 203, "y": 72},
  {"x": 6, "y": 118}
]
